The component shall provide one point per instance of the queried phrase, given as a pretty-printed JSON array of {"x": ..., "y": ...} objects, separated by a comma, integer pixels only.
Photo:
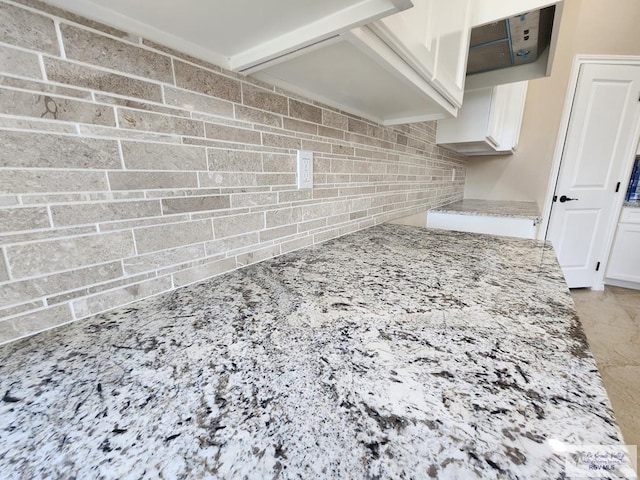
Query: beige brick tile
[
  {"x": 260, "y": 117},
  {"x": 33, "y": 181},
  {"x": 90, "y": 47},
  {"x": 341, "y": 166},
  {"x": 204, "y": 81},
  {"x": 304, "y": 111},
  {"x": 8, "y": 200},
  {"x": 65, "y": 215},
  {"x": 280, "y": 141},
  {"x": 312, "y": 212},
  {"x": 39, "y": 235},
  {"x": 28, "y": 149},
  {"x": 64, "y": 254},
  {"x": 156, "y": 260},
  {"x": 330, "y": 132},
  {"x": 154, "y": 156},
  {"x": 155, "y": 122},
  {"x": 283, "y": 216},
  {"x": 234, "y": 161},
  {"x": 152, "y": 180},
  {"x": 228, "y": 179},
  {"x": 342, "y": 150},
  {"x": 335, "y": 120},
  {"x": 326, "y": 235},
  {"x": 142, "y": 222},
  {"x": 228, "y": 244},
  {"x": 114, "y": 298},
  {"x": 43, "y": 87},
  {"x": 141, "y": 105},
  {"x": 325, "y": 193},
  {"x": 278, "y": 162},
  {"x": 25, "y": 218},
  {"x": 274, "y": 179},
  {"x": 295, "y": 195},
  {"x": 235, "y": 225},
  {"x": 356, "y": 126},
  {"x": 4, "y": 273},
  {"x": 197, "y": 103},
  {"x": 19, "y": 62},
  {"x": 194, "y": 204},
  {"x": 34, "y": 322},
  {"x": 92, "y": 290},
  {"x": 278, "y": 232},
  {"x": 80, "y": 76},
  {"x": 258, "y": 255},
  {"x": 296, "y": 244},
  {"x": 162, "y": 237},
  {"x": 264, "y": 99},
  {"x": 201, "y": 272},
  {"x": 26, "y": 290},
  {"x": 14, "y": 102},
  {"x": 318, "y": 147},
  {"x": 300, "y": 126},
  {"x": 27, "y": 29},
  {"x": 232, "y": 134},
  {"x": 37, "y": 125},
  {"x": 239, "y": 200},
  {"x": 23, "y": 307}
]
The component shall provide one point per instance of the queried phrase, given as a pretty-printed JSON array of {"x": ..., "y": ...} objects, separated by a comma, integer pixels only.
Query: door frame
[{"x": 578, "y": 61}]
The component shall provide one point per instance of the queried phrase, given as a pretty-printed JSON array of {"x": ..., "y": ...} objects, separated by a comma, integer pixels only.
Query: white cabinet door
[
  {"x": 624, "y": 263},
  {"x": 488, "y": 123},
  {"x": 433, "y": 38}
]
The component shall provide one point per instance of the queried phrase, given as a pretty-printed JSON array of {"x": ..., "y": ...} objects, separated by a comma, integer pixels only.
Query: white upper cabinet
[
  {"x": 403, "y": 68},
  {"x": 488, "y": 123},
  {"x": 433, "y": 38}
]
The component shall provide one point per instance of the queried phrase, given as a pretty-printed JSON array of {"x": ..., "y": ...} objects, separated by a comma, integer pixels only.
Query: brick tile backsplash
[{"x": 128, "y": 169}]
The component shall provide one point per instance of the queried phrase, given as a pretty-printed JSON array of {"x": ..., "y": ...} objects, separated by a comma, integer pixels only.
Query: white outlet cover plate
[{"x": 305, "y": 169}]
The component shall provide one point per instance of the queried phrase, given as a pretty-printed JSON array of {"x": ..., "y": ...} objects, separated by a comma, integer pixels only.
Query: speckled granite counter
[
  {"x": 632, "y": 204},
  {"x": 493, "y": 208},
  {"x": 394, "y": 352}
]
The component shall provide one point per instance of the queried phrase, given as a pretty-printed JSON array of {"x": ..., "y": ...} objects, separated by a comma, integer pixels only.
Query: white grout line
[
  {"x": 5, "y": 256},
  {"x": 63, "y": 54},
  {"x": 42, "y": 69}
]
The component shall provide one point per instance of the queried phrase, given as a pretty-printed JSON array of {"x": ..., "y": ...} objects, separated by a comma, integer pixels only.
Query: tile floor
[{"x": 611, "y": 320}]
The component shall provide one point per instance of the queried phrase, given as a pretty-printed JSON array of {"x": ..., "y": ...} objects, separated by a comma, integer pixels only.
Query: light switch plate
[{"x": 305, "y": 169}]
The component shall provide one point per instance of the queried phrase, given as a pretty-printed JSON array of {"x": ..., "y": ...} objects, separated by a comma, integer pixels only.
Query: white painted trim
[
  {"x": 578, "y": 61},
  {"x": 367, "y": 11},
  {"x": 622, "y": 283}
]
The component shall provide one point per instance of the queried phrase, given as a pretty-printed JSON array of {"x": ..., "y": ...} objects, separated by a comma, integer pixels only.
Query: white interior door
[{"x": 599, "y": 145}]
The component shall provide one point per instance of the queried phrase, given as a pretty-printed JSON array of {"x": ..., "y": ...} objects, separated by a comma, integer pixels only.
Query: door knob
[{"x": 564, "y": 198}]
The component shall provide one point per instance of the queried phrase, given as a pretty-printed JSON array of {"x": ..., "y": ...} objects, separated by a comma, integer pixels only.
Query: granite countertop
[
  {"x": 393, "y": 352},
  {"x": 632, "y": 203},
  {"x": 493, "y": 208}
]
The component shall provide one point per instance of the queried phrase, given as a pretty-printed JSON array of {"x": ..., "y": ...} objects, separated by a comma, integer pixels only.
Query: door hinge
[
  {"x": 597, "y": 266},
  {"x": 555, "y": 198},
  {"x": 618, "y": 187}
]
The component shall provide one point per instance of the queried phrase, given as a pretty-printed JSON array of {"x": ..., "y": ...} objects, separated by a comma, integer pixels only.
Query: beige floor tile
[
  {"x": 623, "y": 387},
  {"x": 611, "y": 320}
]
